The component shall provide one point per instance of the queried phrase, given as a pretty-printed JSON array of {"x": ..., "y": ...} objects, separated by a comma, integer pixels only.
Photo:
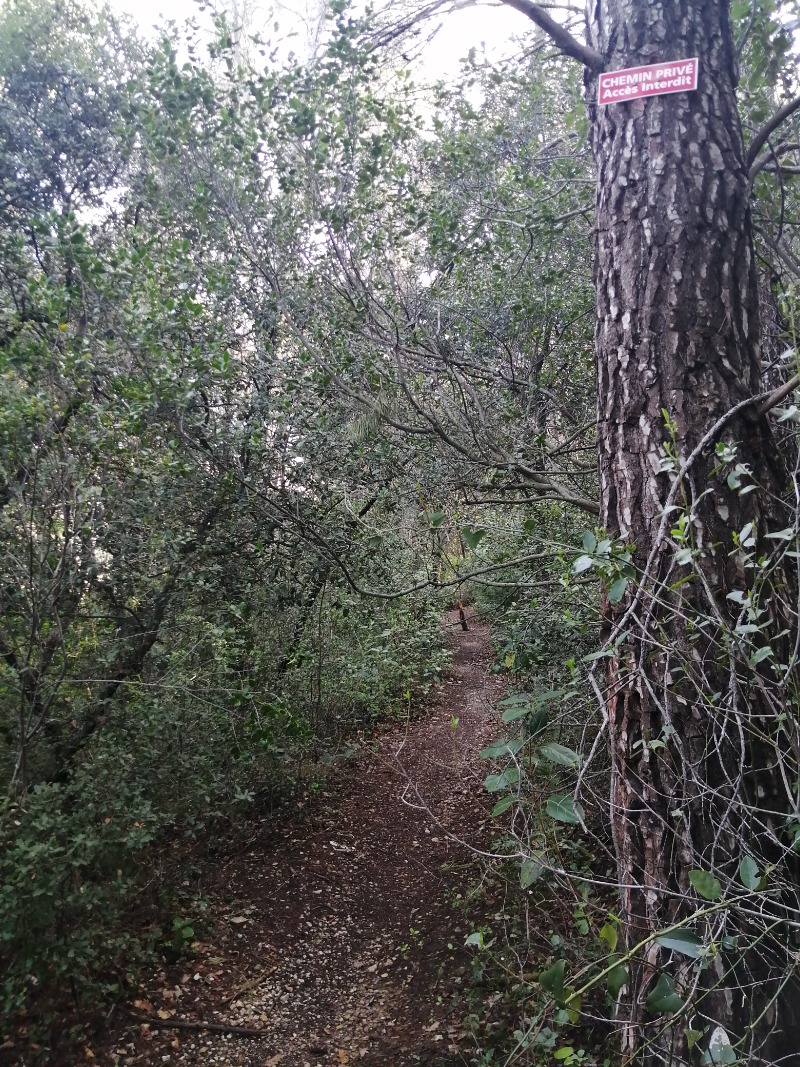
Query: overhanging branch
[
  {"x": 769, "y": 128},
  {"x": 778, "y": 394},
  {"x": 771, "y": 156},
  {"x": 560, "y": 36}
]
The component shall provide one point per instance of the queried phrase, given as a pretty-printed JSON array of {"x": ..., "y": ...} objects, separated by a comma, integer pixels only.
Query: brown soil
[{"x": 341, "y": 940}]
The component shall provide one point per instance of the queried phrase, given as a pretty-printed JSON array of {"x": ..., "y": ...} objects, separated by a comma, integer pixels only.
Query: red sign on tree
[{"x": 619, "y": 86}]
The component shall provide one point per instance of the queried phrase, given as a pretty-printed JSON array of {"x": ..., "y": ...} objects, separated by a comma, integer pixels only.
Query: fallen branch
[{"x": 190, "y": 1024}]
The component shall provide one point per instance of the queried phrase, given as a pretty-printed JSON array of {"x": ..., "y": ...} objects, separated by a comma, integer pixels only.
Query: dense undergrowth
[
  {"x": 543, "y": 909},
  {"x": 93, "y": 867}
]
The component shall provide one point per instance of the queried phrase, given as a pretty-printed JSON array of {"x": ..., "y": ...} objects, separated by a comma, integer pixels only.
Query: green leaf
[
  {"x": 553, "y": 694},
  {"x": 516, "y": 699},
  {"x": 552, "y": 981},
  {"x": 604, "y": 653},
  {"x": 589, "y": 541},
  {"x": 512, "y": 714},
  {"x": 748, "y": 873},
  {"x": 504, "y": 804},
  {"x": 503, "y": 747},
  {"x": 662, "y": 997},
  {"x": 494, "y": 783},
  {"x": 617, "y": 590},
  {"x": 745, "y": 535},
  {"x": 616, "y": 979},
  {"x": 436, "y": 519},
  {"x": 723, "y": 1055},
  {"x": 760, "y": 655},
  {"x": 531, "y": 871},
  {"x": 692, "y": 1037},
  {"x": 560, "y": 754},
  {"x": 473, "y": 537},
  {"x": 782, "y": 535},
  {"x": 573, "y": 1001},
  {"x": 706, "y": 884},
  {"x": 566, "y": 1052},
  {"x": 719, "y": 1049},
  {"x": 564, "y": 809},
  {"x": 581, "y": 564},
  {"x": 537, "y": 722},
  {"x": 682, "y": 941},
  {"x": 608, "y": 933}
]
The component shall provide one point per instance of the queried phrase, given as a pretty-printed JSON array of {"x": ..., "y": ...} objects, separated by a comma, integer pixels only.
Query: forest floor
[{"x": 340, "y": 938}]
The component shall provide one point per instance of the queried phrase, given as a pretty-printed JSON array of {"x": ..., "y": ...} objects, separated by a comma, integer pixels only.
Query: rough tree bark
[
  {"x": 677, "y": 343},
  {"x": 694, "y": 738}
]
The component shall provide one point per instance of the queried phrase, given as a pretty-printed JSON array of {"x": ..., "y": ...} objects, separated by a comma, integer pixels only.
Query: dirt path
[{"x": 341, "y": 940}]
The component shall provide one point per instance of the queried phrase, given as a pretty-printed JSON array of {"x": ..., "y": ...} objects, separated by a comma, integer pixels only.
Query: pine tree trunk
[{"x": 677, "y": 341}]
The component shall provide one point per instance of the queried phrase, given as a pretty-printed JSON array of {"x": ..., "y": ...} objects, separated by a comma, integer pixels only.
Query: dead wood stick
[{"x": 189, "y": 1024}]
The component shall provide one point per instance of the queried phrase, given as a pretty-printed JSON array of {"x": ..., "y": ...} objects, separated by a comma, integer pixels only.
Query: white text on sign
[{"x": 618, "y": 86}]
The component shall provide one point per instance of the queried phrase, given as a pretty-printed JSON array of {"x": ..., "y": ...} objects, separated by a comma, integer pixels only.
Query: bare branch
[
  {"x": 777, "y": 168},
  {"x": 568, "y": 44},
  {"x": 769, "y": 128},
  {"x": 770, "y": 156},
  {"x": 778, "y": 394}
]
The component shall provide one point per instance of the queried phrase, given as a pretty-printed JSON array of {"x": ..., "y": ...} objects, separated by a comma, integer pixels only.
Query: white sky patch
[{"x": 485, "y": 27}]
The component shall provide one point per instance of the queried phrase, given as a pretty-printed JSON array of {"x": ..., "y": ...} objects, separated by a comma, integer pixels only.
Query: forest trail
[{"x": 340, "y": 939}]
